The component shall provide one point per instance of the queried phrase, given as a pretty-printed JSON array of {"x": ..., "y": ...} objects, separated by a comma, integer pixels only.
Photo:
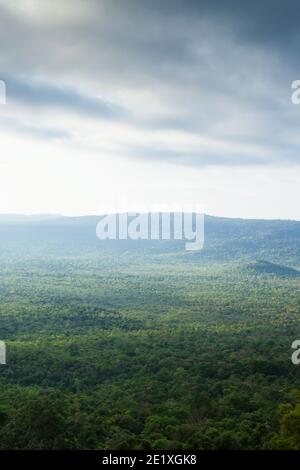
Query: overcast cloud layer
[{"x": 196, "y": 83}]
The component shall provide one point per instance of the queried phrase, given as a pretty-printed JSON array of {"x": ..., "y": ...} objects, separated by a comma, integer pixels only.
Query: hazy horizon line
[{"x": 53, "y": 215}]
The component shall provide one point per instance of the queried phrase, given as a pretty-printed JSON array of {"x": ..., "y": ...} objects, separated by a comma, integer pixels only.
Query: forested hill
[{"x": 225, "y": 239}]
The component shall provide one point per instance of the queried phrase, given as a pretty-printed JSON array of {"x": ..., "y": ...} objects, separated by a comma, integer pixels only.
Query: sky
[{"x": 135, "y": 103}]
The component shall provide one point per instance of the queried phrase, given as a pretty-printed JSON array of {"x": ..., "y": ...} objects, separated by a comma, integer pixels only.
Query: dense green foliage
[{"x": 121, "y": 348}]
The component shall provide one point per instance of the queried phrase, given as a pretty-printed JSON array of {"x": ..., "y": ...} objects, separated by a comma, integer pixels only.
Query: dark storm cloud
[
  {"x": 268, "y": 19},
  {"x": 221, "y": 70}
]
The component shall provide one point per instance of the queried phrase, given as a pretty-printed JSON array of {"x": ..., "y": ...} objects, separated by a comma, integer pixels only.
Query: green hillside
[{"x": 265, "y": 267}]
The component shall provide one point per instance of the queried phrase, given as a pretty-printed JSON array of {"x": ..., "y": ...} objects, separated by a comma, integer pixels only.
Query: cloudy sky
[{"x": 150, "y": 101}]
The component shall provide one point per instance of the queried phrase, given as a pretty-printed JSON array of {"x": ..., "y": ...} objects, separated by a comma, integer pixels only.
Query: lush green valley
[{"x": 141, "y": 345}]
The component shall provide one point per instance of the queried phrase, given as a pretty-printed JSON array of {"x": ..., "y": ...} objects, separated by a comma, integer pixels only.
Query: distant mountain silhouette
[{"x": 226, "y": 240}]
